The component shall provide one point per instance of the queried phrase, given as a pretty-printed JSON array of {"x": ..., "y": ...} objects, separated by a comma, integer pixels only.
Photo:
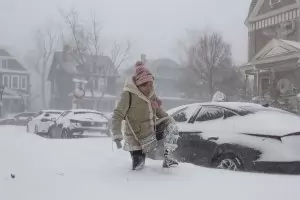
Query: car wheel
[
  {"x": 229, "y": 162},
  {"x": 50, "y": 133},
  {"x": 36, "y": 129},
  {"x": 65, "y": 134}
]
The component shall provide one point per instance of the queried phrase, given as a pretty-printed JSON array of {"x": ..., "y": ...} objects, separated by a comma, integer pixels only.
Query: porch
[{"x": 275, "y": 72}]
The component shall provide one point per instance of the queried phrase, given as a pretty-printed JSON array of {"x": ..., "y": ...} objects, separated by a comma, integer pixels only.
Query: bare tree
[
  {"x": 120, "y": 53},
  {"x": 206, "y": 55},
  {"x": 86, "y": 43},
  {"x": 40, "y": 60},
  {"x": 86, "y": 38}
]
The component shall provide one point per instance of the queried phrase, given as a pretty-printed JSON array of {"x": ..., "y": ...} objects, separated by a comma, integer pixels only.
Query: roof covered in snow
[
  {"x": 276, "y": 50},
  {"x": 71, "y": 65}
]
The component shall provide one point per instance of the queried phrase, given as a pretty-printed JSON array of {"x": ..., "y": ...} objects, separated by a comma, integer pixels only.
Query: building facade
[
  {"x": 274, "y": 49},
  {"x": 98, "y": 75},
  {"x": 15, "y": 79}
]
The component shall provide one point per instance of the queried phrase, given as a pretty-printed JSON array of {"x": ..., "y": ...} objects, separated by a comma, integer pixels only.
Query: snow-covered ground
[{"x": 88, "y": 169}]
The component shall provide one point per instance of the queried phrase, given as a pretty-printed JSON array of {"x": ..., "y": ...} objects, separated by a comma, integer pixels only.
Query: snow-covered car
[
  {"x": 79, "y": 121},
  {"x": 20, "y": 119},
  {"x": 42, "y": 121},
  {"x": 238, "y": 136}
]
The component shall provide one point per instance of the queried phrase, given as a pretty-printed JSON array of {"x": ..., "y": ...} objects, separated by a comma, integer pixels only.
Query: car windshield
[{"x": 52, "y": 114}]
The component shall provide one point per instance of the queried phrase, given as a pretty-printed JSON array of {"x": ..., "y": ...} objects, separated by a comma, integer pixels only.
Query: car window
[
  {"x": 209, "y": 113},
  {"x": 229, "y": 113},
  {"x": 185, "y": 114},
  {"x": 52, "y": 114}
]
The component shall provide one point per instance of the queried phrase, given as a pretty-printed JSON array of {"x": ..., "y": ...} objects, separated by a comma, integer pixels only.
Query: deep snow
[{"x": 88, "y": 169}]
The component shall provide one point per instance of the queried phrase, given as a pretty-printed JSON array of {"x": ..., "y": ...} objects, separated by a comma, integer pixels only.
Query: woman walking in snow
[{"x": 146, "y": 122}]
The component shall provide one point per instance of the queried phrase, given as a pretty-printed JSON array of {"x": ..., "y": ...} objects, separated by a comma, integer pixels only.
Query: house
[
  {"x": 98, "y": 73},
  {"x": 274, "y": 48},
  {"x": 168, "y": 75},
  {"x": 16, "y": 82}
]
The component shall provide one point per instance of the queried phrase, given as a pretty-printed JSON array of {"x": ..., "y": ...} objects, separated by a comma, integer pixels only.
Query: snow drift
[{"x": 89, "y": 169}]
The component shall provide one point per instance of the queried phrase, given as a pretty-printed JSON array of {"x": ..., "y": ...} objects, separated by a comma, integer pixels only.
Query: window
[
  {"x": 6, "y": 81},
  {"x": 4, "y": 64},
  {"x": 24, "y": 82},
  {"x": 15, "y": 82},
  {"x": 210, "y": 113},
  {"x": 279, "y": 18},
  {"x": 185, "y": 114},
  {"x": 291, "y": 15},
  {"x": 294, "y": 14},
  {"x": 276, "y": 19},
  {"x": 273, "y": 2},
  {"x": 101, "y": 84},
  {"x": 272, "y": 20},
  {"x": 283, "y": 17}
]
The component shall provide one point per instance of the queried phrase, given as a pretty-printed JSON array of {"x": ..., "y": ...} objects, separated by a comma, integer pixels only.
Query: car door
[
  {"x": 183, "y": 118},
  {"x": 201, "y": 140},
  {"x": 34, "y": 121}
]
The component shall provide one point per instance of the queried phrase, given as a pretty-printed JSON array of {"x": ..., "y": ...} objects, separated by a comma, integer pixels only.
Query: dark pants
[{"x": 137, "y": 153}]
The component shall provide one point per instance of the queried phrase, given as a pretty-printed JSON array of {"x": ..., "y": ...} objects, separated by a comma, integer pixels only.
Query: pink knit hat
[{"x": 142, "y": 74}]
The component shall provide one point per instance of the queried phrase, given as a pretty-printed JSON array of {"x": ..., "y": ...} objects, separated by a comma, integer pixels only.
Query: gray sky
[{"x": 155, "y": 26}]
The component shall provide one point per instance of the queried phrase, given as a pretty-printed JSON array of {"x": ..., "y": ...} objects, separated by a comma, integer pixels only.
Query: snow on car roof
[
  {"x": 85, "y": 110},
  {"x": 53, "y": 111},
  {"x": 230, "y": 105}
]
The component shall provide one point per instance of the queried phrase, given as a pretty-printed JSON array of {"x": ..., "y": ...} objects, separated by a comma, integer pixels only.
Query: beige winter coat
[{"x": 141, "y": 116}]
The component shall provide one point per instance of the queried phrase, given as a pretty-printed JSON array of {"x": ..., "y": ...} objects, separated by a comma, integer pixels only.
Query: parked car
[
  {"x": 19, "y": 119},
  {"x": 79, "y": 121},
  {"x": 238, "y": 136},
  {"x": 42, "y": 121}
]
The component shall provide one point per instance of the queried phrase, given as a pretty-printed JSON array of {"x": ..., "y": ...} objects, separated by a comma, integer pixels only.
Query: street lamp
[{"x": 2, "y": 88}]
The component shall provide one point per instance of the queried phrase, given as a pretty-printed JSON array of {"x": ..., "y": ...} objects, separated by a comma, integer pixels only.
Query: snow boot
[
  {"x": 138, "y": 159},
  {"x": 168, "y": 161},
  {"x": 138, "y": 162}
]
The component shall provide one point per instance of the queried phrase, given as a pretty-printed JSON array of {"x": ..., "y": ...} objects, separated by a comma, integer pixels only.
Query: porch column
[
  {"x": 257, "y": 83},
  {"x": 246, "y": 83}
]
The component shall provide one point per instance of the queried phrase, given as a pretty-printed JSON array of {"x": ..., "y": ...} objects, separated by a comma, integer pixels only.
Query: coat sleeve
[
  {"x": 118, "y": 116},
  {"x": 160, "y": 113}
]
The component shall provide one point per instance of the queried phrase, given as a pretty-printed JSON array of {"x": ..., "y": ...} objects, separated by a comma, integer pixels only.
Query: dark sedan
[{"x": 238, "y": 136}]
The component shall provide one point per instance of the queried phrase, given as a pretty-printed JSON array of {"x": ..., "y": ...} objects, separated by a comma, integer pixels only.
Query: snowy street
[{"x": 88, "y": 168}]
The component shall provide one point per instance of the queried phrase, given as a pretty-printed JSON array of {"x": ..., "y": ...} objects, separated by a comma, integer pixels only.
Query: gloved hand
[{"x": 118, "y": 143}]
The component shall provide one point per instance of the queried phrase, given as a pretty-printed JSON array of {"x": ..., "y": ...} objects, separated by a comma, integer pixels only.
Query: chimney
[
  {"x": 66, "y": 52},
  {"x": 143, "y": 58}
]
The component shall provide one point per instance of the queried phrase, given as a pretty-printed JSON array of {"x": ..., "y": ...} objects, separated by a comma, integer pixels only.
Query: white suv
[
  {"x": 79, "y": 121},
  {"x": 42, "y": 121}
]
